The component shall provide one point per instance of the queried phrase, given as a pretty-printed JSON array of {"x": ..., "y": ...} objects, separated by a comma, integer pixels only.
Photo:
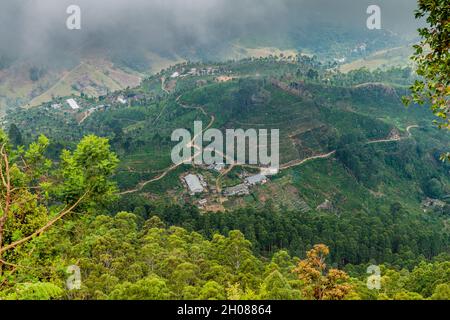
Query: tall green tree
[
  {"x": 15, "y": 136},
  {"x": 36, "y": 194},
  {"x": 432, "y": 56}
]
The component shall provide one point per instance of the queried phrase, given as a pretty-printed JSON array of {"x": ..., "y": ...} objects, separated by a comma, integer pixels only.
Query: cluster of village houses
[
  {"x": 194, "y": 72},
  {"x": 196, "y": 184},
  {"x": 208, "y": 71},
  {"x": 71, "y": 102},
  {"x": 74, "y": 106}
]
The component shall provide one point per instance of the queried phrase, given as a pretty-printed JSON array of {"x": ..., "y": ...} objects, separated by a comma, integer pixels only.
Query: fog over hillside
[{"x": 37, "y": 29}]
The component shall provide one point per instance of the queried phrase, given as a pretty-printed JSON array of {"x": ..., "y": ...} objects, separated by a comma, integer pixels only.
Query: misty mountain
[
  {"x": 200, "y": 28},
  {"x": 41, "y": 58}
]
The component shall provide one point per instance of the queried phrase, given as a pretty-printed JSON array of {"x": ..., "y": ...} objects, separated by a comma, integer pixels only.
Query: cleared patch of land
[
  {"x": 395, "y": 57},
  {"x": 92, "y": 77}
]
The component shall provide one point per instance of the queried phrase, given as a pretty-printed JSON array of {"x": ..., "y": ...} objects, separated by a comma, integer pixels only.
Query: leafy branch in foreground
[
  {"x": 35, "y": 193},
  {"x": 432, "y": 57}
]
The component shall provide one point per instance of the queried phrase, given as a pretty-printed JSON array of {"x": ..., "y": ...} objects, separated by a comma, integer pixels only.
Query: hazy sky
[{"x": 36, "y": 28}]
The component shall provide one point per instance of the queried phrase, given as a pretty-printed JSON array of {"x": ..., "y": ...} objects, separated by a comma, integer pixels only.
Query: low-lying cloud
[{"x": 37, "y": 28}]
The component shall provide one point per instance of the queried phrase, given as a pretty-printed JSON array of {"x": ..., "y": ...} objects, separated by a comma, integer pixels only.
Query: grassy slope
[
  {"x": 394, "y": 57},
  {"x": 310, "y": 124}
]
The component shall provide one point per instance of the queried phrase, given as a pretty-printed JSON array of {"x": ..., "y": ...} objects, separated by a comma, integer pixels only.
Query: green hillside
[{"x": 359, "y": 172}]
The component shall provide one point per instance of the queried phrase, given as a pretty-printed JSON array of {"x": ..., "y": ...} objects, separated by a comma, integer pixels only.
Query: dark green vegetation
[
  {"x": 395, "y": 236},
  {"x": 432, "y": 56},
  {"x": 122, "y": 259},
  {"x": 386, "y": 163}
]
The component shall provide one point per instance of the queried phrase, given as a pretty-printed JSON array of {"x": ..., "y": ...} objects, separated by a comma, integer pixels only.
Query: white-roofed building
[
  {"x": 239, "y": 190},
  {"x": 256, "y": 179},
  {"x": 269, "y": 171},
  {"x": 194, "y": 184},
  {"x": 122, "y": 100},
  {"x": 219, "y": 167},
  {"x": 73, "y": 104}
]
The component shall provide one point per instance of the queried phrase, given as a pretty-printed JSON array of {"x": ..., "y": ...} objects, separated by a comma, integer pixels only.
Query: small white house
[
  {"x": 270, "y": 171},
  {"x": 193, "y": 71},
  {"x": 122, "y": 100},
  {"x": 340, "y": 60},
  {"x": 175, "y": 75},
  {"x": 73, "y": 104},
  {"x": 219, "y": 167}
]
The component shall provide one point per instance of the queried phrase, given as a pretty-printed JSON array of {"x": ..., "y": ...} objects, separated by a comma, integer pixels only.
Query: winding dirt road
[
  {"x": 408, "y": 129},
  {"x": 163, "y": 85},
  {"x": 173, "y": 167},
  {"x": 288, "y": 165},
  {"x": 296, "y": 163}
]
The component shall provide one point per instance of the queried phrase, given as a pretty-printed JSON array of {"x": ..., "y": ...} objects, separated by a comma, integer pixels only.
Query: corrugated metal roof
[
  {"x": 73, "y": 104},
  {"x": 259, "y": 178},
  {"x": 237, "y": 190},
  {"x": 193, "y": 183}
]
